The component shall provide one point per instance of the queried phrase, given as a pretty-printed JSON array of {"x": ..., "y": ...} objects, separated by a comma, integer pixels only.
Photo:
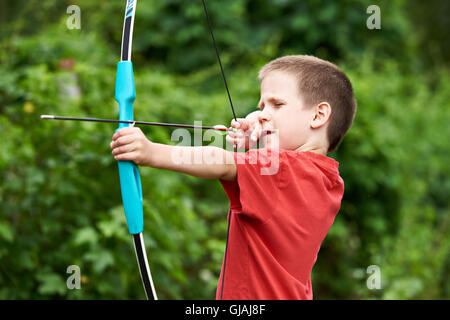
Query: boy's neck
[{"x": 315, "y": 149}]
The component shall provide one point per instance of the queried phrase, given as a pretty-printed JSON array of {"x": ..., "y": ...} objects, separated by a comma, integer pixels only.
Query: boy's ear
[{"x": 321, "y": 115}]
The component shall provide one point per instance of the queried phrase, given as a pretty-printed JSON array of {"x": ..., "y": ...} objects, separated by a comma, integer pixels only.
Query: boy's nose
[{"x": 264, "y": 116}]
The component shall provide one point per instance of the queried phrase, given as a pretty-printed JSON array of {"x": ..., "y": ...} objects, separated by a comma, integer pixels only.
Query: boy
[{"x": 284, "y": 196}]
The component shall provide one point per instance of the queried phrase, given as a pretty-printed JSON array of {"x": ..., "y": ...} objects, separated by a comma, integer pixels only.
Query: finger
[
  {"x": 235, "y": 124},
  {"x": 234, "y": 134},
  {"x": 245, "y": 124},
  {"x": 125, "y": 131},
  {"x": 123, "y": 140},
  {"x": 240, "y": 123},
  {"x": 234, "y": 141},
  {"x": 129, "y": 156},
  {"x": 231, "y": 140},
  {"x": 125, "y": 148},
  {"x": 256, "y": 133}
]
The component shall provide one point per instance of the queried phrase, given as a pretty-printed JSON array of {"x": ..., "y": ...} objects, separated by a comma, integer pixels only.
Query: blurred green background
[{"x": 60, "y": 201}]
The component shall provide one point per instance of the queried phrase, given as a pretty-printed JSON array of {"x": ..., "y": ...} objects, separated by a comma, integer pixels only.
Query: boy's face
[{"x": 282, "y": 109}]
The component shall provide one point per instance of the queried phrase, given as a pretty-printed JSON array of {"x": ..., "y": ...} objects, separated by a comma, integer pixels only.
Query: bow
[{"x": 130, "y": 182}]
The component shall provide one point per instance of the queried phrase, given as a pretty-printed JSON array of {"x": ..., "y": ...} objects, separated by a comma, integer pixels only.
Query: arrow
[{"x": 161, "y": 124}]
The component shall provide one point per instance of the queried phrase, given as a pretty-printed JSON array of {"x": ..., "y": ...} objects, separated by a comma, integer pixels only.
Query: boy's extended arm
[{"x": 203, "y": 162}]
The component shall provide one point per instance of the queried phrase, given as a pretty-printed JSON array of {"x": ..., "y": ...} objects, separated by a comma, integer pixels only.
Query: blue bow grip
[{"x": 130, "y": 182}]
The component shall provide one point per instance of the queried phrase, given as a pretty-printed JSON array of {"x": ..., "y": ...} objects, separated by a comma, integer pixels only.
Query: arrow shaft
[{"x": 147, "y": 123}]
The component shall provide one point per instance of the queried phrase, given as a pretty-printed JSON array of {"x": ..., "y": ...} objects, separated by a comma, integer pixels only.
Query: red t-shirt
[{"x": 282, "y": 206}]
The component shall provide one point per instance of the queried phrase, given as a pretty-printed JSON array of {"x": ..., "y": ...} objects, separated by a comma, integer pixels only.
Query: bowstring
[{"x": 218, "y": 58}]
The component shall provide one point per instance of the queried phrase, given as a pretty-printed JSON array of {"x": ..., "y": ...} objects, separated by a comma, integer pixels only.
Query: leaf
[
  {"x": 6, "y": 232},
  {"x": 101, "y": 259},
  {"x": 51, "y": 283},
  {"x": 86, "y": 235}
]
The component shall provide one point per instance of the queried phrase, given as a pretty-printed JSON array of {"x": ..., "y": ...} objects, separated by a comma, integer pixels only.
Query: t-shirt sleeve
[{"x": 255, "y": 192}]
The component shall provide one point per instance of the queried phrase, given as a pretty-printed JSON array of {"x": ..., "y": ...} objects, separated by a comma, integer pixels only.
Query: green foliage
[{"x": 60, "y": 201}]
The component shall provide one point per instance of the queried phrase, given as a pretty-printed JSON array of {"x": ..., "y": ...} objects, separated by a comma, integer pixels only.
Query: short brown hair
[{"x": 320, "y": 81}]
